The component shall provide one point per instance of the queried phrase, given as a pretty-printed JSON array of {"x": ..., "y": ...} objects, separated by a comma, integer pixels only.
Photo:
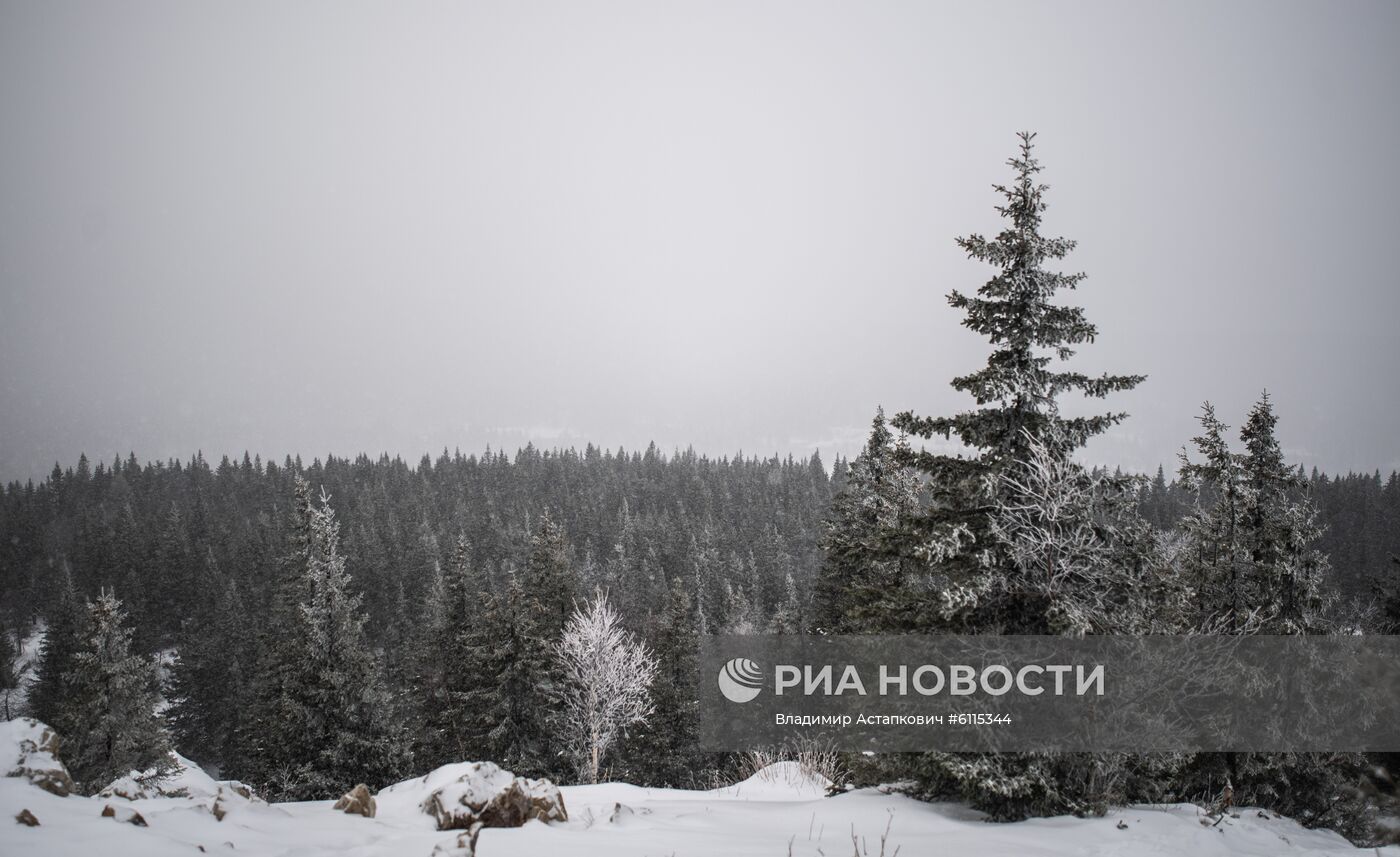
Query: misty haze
[{"x": 319, "y": 229}]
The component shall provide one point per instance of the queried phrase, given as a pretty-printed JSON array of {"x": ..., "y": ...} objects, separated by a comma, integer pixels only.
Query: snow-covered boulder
[
  {"x": 182, "y": 782},
  {"x": 231, "y": 793},
  {"x": 484, "y": 795},
  {"x": 129, "y": 787},
  {"x": 29, "y": 749},
  {"x": 463, "y": 846},
  {"x": 239, "y": 789},
  {"x": 357, "y": 801},
  {"x": 546, "y": 802},
  {"x": 180, "y": 778},
  {"x": 125, "y": 813},
  {"x": 621, "y": 813}
]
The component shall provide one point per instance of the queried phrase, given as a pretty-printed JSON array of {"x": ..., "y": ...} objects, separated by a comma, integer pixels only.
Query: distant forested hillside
[{"x": 732, "y": 532}]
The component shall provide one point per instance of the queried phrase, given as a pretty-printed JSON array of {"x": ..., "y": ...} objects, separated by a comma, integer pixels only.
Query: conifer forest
[{"x": 521, "y": 359}]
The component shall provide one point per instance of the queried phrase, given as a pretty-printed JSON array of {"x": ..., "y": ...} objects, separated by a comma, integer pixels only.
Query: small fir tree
[
  {"x": 49, "y": 694},
  {"x": 112, "y": 726},
  {"x": 9, "y": 677}
]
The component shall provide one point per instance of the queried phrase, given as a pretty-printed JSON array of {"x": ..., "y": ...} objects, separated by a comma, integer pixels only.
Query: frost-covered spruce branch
[
  {"x": 606, "y": 687},
  {"x": 1076, "y": 540},
  {"x": 1045, "y": 514}
]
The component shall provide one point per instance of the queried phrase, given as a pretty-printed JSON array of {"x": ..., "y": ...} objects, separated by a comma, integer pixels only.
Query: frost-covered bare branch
[{"x": 607, "y": 677}]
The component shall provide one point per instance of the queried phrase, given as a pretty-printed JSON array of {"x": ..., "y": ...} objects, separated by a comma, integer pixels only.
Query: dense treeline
[
  {"x": 633, "y": 522},
  {"x": 293, "y": 593},
  {"x": 732, "y": 530}
]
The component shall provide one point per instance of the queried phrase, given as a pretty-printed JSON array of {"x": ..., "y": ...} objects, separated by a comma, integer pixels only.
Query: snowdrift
[
  {"x": 780, "y": 781},
  {"x": 780, "y": 810}
]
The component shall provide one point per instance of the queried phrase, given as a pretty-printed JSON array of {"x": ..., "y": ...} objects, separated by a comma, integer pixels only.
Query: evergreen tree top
[
  {"x": 880, "y": 435},
  {"x": 1015, "y": 310},
  {"x": 1213, "y": 447},
  {"x": 1261, "y": 443}
]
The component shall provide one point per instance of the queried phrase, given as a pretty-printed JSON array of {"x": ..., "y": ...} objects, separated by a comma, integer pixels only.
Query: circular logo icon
[{"x": 740, "y": 680}]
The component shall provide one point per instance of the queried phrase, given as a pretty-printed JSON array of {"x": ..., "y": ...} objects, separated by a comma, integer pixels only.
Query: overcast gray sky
[{"x": 335, "y": 227}]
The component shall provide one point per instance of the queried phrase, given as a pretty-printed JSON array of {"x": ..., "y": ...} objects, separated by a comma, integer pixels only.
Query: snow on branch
[{"x": 607, "y": 676}]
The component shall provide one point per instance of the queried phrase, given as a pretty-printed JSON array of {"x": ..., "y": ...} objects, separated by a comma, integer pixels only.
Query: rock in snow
[
  {"x": 29, "y": 749},
  {"x": 463, "y": 846},
  {"x": 357, "y": 801},
  {"x": 546, "y": 801},
  {"x": 126, "y": 814},
  {"x": 228, "y": 795},
  {"x": 621, "y": 812},
  {"x": 484, "y": 795}
]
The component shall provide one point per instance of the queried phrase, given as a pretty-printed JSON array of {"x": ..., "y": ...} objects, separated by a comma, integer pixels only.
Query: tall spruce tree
[
  {"x": 1251, "y": 540},
  {"x": 662, "y": 750},
  {"x": 516, "y": 675},
  {"x": 967, "y": 580},
  {"x": 335, "y": 728},
  {"x": 271, "y": 743},
  {"x": 1285, "y": 569},
  {"x": 342, "y": 683},
  {"x": 451, "y": 725},
  {"x": 1251, "y": 555},
  {"x": 172, "y": 597},
  {"x": 1017, "y": 392},
  {"x": 207, "y": 680},
  {"x": 859, "y": 569},
  {"x": 546, "y": 601},
  {"x": 550, "y": 576},
  {"x": 112, "y": 727},
  {"x": 1212, "y": 557}
]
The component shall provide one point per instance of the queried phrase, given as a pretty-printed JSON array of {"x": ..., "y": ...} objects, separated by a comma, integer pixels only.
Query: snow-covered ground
[{"x": 775, "y": 813}]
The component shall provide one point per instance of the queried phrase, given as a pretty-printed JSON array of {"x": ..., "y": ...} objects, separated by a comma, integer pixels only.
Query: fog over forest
[{"x": 328, "y": 228}]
